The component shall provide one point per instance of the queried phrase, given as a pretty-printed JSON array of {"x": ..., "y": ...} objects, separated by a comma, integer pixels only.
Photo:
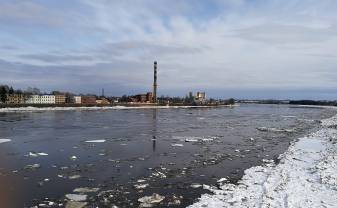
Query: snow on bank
[
  {"x": 305, "y": 177},
  {"x": 30, "y": 109}
]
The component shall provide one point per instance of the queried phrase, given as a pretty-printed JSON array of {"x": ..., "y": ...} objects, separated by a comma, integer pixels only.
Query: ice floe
[
  {"x": 75, "y": 204},
  {"x": 85, "y": 190},
  {"x": 4, "y": 140},
  {"x": 141, "y": 186},
  {"x": 304, "y": 177},
  {"x": 36, "y": 154},
  {"x": 33, "y": 167},
  {"x": 276, "y": 130},
  {"x": 73, "y": 177},
  {"x": 150, "y": 201},
  {"x": 177, "y": 145},
  {"x": 77, "y": 197},
  {"x": 96, "y": 141}
]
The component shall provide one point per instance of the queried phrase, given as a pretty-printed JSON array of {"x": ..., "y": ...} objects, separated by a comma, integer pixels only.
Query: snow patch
[{"x": 305, "y": 177}]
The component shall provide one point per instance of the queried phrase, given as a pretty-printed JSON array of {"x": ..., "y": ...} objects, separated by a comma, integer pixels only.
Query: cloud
[
  {"x": 206, "y": 45},
  {"x": 273, "y": 33},
  {"x": 49, "y": 58},
  {"x": 28, "y": 12}
]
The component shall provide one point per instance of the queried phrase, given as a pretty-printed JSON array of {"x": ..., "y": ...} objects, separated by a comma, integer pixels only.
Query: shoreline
[
  {"x": 304, "y": 177},
  {"x": 117, "y": 107}
]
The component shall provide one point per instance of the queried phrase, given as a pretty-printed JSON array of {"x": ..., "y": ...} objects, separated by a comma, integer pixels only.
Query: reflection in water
[{"x": 154, "y": 129}]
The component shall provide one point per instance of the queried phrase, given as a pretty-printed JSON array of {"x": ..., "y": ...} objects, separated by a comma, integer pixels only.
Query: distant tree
[
  {"x": 32, "y": 91},
  {"x": 11, "y": 90},
  {"x": 18, "y": 91},
  {"x": 55, "y": 92},
  {"x": 3, "y": 93},
  {"x": 231, "y": 101},
  {"x": 124, "y": 99}
]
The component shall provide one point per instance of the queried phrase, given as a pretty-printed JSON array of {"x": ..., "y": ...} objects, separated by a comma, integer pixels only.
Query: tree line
[{"x": 9, "y": 90}]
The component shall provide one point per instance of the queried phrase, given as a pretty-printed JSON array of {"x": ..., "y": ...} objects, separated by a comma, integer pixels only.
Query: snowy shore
[{"x": 306, "y": 176}]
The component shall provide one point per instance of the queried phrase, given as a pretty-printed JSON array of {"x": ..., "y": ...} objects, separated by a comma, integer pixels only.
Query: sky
[{"x": 255, "y": 49}]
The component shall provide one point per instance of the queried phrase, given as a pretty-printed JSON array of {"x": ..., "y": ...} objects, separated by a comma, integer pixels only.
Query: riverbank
[
  {"x": 304, "y": 177},
  {"x": 103, "y": 107}
]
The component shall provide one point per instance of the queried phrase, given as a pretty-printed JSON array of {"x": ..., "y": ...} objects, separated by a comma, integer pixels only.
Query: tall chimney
[{"x": 154, "y": 93}]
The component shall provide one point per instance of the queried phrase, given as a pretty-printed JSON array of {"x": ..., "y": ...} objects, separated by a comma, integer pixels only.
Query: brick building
[
  {"x": 15, "y": 99},
  {"x": 89, "y": 100},
  {"x": 60, "y": 99}
]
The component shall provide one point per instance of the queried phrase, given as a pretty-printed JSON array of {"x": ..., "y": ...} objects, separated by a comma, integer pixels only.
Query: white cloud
[{"x": 215, "y": 45}]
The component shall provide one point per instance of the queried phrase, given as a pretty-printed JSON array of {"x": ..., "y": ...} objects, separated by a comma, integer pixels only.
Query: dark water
[{"x": 139, "y": 146}]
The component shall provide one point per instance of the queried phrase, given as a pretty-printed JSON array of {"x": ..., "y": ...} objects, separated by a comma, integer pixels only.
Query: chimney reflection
[{"x": 154, "y": 129}]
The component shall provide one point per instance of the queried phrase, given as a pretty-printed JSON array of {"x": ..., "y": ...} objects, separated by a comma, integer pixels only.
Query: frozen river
[{"x": 119, "y": 156}]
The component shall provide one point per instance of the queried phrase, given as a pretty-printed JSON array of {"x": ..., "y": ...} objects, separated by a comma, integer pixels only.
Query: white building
[
  {"x": 201, "y": 96},
  {"x": 47, "y": 99},
  {"x": 33, "y": 99},
  {"x": 78, "y": 99}
]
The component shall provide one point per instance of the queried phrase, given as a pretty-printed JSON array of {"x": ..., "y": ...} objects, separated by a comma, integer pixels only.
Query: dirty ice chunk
[
  {"x": 177, "y": 145},
  {"x": 33, "y": 167},
  {"x": 4, "y": 140},
  {"x": 96, "y": 141},
  {"x": 85, "y": 190},
  {"x": 76, "y": 197},
  {"x": 74, "y": 204},
  {"x": 150, "y": 201}
]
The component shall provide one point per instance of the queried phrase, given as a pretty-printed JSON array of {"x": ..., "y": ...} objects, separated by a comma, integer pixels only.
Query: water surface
[{"x": 140, "y": 144}]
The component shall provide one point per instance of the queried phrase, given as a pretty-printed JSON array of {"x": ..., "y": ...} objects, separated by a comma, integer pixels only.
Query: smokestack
[{"x": 154, "y": 93}]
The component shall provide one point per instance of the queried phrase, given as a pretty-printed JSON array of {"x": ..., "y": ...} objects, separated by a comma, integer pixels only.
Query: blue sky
[{"x": 228, "y": 48}]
